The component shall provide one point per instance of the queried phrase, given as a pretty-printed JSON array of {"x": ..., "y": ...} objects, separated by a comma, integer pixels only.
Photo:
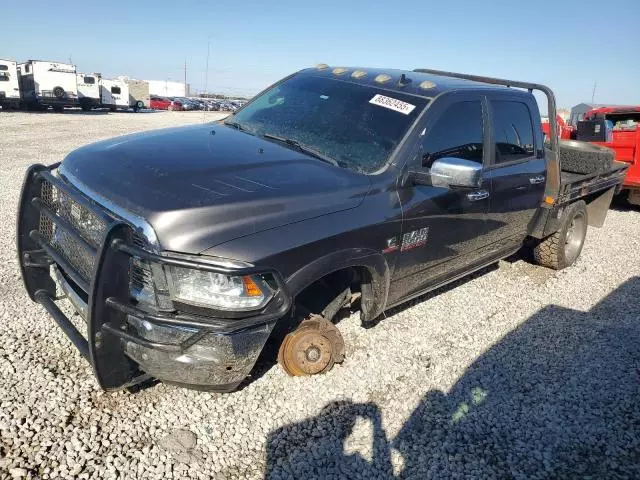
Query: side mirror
[{"x": 451, "y": 172}]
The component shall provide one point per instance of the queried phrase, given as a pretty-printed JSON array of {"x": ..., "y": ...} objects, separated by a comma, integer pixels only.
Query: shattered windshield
[{"x": 356, "y": 125}]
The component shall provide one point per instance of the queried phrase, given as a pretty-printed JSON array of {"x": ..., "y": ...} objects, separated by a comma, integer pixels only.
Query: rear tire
[
  {"x": 584, "y": 157},
  {"x": 563, "y": 248}
]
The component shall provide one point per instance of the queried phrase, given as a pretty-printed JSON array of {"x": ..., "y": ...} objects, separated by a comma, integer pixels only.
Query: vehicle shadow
[
  {"x": 82, "y": 112},
  {"x": 558, "y": 397},
  {"x": 66, "y": 111},
  {"x": 621, "y": 204}
]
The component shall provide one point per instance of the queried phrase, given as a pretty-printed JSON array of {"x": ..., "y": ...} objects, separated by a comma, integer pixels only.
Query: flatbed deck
[{"x": 576, "y": 185}]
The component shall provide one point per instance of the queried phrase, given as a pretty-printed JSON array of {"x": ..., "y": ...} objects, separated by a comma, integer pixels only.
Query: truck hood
[{"x": 203, "y": 185}]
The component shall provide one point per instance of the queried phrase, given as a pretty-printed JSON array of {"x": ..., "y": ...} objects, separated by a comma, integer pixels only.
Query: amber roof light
[{"x": 382, "y": 78}]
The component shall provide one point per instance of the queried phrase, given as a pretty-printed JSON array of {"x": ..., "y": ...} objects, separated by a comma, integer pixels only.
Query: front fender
[{"x": 374, "y": 290}]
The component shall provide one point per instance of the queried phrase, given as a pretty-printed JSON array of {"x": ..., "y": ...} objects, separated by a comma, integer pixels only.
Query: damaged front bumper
[{"x": 126, "y": 342}]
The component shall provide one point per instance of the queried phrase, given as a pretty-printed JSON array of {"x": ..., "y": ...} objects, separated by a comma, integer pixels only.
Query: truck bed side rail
[{"x": 552, "y": 189}]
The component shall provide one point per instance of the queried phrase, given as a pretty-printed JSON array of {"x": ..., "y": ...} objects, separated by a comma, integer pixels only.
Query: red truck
[
  {"x": 565, "y": 130},
  {"x": 624, "y": 140}
]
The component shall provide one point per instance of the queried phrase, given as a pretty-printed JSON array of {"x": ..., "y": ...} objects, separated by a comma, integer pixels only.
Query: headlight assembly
[
  {"x": 217, "y": 290},
  {"x": 158, "y": 286}
]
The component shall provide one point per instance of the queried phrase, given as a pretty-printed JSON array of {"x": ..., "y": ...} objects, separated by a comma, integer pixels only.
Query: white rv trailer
[
  {"x": 88, "y": 90},
  {"x": 45, "y": 84},
  {"x": 138, "y": 92},
  {"x": 114, "y": 94},
  {"x": 9, "y": 84}
]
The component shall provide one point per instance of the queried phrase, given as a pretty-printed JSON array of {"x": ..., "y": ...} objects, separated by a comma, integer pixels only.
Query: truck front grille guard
[
  {"x": 552, "y": 188},
  {"x": 50, "y": 231}
]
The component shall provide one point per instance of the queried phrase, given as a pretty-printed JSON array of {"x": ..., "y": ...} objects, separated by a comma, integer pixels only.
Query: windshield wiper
[
  {"x": 305, "y": 149},
  {"x": 239, "y": 126}
]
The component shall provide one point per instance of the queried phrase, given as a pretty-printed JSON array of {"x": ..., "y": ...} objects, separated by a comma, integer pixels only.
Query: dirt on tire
[{"x": 550, "y": 252}]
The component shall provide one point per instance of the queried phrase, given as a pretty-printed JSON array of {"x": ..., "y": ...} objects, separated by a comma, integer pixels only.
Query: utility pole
[
  {"x": 206, "y": 74},
  {"x": 206, "y": 70},
  {"x": 593, "y": 94}
]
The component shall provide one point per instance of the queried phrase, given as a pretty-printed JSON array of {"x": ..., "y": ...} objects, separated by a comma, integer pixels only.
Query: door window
[
  {"x": 513, "y": 130},
  {"x": 115, "y": 90},
  {"x": 89, "y": 80},
  {"x": 457, "y": 133}
]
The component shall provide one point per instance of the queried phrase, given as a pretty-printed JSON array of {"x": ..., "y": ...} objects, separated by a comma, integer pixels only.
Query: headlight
[{"x": 217, "y": 290}]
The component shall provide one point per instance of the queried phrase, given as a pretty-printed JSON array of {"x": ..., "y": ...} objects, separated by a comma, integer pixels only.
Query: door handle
[
  {"x": 478, "y": 195},
  {"x": 537, "y": 179}
]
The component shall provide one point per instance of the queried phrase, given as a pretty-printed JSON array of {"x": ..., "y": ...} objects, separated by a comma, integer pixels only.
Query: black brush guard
[{"x": 108, "y": 291}]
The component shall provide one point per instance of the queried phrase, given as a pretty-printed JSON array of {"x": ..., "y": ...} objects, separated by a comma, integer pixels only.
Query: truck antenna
[{"x": 593, "y": 94}]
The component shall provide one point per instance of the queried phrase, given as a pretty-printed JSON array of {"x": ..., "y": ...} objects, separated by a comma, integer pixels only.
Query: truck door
[
  {"x": 443, "y": 229},
  {"x": 517, "y": 171}
]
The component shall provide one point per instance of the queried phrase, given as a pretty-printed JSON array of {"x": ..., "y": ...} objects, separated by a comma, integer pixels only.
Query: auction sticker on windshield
[{"x": 392, "y": 104}]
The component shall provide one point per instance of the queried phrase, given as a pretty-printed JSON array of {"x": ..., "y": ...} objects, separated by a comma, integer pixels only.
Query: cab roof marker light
[
  {"x": 359, "y": 74},
  {"x": 382, "y": 78},
  {"x": 340, "y": 70},
  {"x": 322, "y": 66},
  {"x": 426, "y": 85}
]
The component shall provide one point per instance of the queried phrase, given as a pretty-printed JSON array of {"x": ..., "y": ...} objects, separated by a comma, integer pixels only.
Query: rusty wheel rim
[{"x": 312, "y": 348}]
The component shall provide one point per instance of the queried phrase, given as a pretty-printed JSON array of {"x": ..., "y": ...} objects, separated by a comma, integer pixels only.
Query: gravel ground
[{"x": 517, "y": 372}]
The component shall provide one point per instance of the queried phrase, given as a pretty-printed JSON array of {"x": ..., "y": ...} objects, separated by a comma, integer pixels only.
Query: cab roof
[{"x": 404, "y": 81}]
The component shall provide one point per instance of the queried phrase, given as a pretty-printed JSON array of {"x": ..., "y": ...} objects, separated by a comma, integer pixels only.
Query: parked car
[
  {"x": 214, "y": 105},
  {"x": 176, "y": 105},
  {"x": 200, "y": 104},
  {"x": 227, "y": 107},
  {"x": 160, "y": 103},
  {"x": 186, "y": 103},
  {"x": 333, "y": 188}
]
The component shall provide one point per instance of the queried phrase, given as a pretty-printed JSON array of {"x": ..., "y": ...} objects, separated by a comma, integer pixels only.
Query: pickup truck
[{"x": 186, "y": 251}]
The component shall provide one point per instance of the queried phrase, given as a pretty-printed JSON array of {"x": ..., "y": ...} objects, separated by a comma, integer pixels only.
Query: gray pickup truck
[{"x": 187, "y": 250}]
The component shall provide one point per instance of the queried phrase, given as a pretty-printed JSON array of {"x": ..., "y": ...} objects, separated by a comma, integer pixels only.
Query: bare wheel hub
[{"x": 314, "y": 347}]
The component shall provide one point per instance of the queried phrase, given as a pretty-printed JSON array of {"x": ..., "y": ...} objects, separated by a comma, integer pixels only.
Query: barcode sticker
[{"x": 392, "y": 104}]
